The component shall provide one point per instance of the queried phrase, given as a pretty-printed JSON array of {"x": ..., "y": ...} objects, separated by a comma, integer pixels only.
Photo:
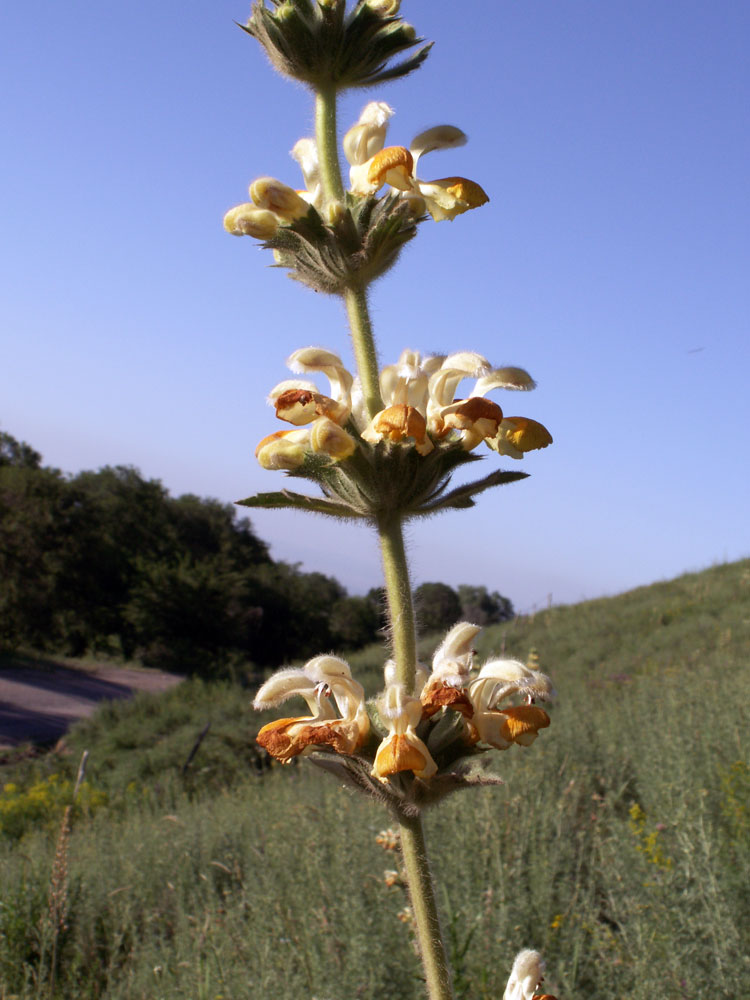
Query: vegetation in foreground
[{"x": 621, "y": 848}]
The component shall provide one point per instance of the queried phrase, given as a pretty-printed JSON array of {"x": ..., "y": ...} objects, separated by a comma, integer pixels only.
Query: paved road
[{"x": 38, "y": 705}]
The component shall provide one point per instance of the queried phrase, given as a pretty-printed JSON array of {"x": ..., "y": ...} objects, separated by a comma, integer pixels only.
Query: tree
[
  {"x": 18, "y": 453},
  {"x": 437, "y": 606},
  {"x": 482, "y": 608},
  {"x": 354, "y": 622},
  {"x": 34, "y": 517}
]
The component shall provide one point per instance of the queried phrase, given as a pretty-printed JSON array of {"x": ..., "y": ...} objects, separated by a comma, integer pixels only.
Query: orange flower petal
[
  {"x": 526, "y": 434},
  {"x": 523, "y": 722},
  {"x": 396, "y": 754},
  {"x": 464, "y": 190},
  {"x": 274, "y": 737},
  {"x": 392, "y": 165},
  {"x": 445, "y": 696}
]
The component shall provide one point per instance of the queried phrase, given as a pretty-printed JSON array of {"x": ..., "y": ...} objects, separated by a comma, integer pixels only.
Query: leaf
[
  {"x": 430, "y": 792},
  {"x": 463, "y": 496},
  {"x": 285, "y": 499}
]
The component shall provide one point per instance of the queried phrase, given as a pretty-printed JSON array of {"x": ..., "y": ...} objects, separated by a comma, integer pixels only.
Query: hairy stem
[
  {"x": 413, "y": 848},
  {"x": 327, "y": 140},
  {"x": 364, "y": 348},
  {"x": 355, "y": 300},
  {"x": 424, "y": 906},
  {"x": 400, "y": 605},
  {"x": 396, "y": 569}
]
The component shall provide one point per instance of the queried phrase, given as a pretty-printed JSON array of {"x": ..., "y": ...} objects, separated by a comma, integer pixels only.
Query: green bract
[
  {"x": 349, "y": 253},
  {"x": 323, "y": 46},
  {"x": 383, "y": 480}
]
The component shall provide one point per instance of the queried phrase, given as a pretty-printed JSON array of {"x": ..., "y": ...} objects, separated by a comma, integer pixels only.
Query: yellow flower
[
  {"x": 298, "y": 402},
  {"x": 420, "y": 408},
  {"x": 283, "y": 450},
  {"x": 279, "y": 198},
  {"x": 328, "y": 438},
  {"x": 336, "y": 407},
  {"x": 517, "y": 435},
  {"x": 321, "y": 679},
  {"x": 273, "y": 203},
  {"x": 402, "y": 749},
  {"x": 476, "y": 417},
  {"x": 249, "y": 220},
  {"x": 396, "y": 423}
]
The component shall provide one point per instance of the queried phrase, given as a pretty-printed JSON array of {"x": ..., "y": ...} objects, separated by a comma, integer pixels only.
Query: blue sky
[{"x": 612, "y": 262}]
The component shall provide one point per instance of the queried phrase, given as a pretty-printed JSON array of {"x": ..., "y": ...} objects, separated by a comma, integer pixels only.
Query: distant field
[{"x": 619, "y": 845}]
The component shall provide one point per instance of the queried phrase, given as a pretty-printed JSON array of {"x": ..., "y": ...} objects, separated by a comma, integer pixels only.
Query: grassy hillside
[{"x": 619, "y": 845}]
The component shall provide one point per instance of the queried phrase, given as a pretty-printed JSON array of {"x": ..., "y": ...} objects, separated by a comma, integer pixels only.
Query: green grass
[{"x": 619, "y": 845}]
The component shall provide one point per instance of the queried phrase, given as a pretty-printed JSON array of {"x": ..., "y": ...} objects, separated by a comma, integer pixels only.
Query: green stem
[
  {"x": 396, "y": 569},
  {"x": 413, "y": 848},
  {"x": 364, "y": 348},
  {"x": 400, "y": 606},
  {"x": 354, "y": 299},
  {"x": 327, "y": 140},
  {"x": 424, "y": 906}
]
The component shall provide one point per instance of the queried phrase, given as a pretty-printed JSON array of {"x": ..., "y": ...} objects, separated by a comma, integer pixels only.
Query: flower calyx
[{"x": 321, "y": 44}]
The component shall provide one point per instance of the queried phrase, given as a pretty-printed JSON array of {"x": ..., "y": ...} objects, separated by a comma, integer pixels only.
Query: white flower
[
  {"x": 500, "y": 727},
  {"x": 305, "y": 152},
  {"x": 451, "y": 664},
  {"x": 298, "y": 400},
  {"x": 367, "y": 137},
  {"x": 420, "y": 409}
]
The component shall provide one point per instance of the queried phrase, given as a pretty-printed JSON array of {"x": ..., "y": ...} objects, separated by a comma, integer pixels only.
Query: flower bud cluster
[
  {"x": 399, "y": 460},
  {"x": 403, "y": 737},
  {"x": 333, "y": 246},
  {"x": 323, "y": 45}
]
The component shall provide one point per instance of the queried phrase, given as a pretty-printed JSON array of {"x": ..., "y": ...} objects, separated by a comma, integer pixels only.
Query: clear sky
[{"x": 612, "y": 263}]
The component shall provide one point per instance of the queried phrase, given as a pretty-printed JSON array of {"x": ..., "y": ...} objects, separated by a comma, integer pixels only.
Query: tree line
[{"x": 108, "y": 562}]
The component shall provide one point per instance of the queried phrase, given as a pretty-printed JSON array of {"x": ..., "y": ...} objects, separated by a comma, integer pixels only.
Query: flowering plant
[{"x": 382, "y": 445}]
